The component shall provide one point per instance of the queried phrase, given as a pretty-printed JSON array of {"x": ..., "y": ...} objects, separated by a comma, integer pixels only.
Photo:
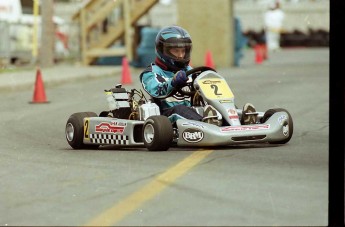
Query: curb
[{"x": 23, "y": 83}]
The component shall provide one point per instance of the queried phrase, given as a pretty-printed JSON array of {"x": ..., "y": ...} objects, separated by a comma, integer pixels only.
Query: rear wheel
[
  {"x": 74, "y": 130},
  {"x": 287, "y": 127},
  {"x": 157, "y": 133}
]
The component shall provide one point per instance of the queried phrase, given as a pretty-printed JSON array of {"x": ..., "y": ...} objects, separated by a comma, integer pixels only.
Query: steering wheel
[{"x": 195, "y": 72}]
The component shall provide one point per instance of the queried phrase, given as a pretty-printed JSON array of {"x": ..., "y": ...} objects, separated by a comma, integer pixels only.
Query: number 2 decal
[
  {"x": 86, "y": 129},
  {"x": 215, "y": 88}
]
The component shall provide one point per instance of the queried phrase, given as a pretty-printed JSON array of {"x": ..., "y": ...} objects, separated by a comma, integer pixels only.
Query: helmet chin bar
[{"x": 182, "y": 63}]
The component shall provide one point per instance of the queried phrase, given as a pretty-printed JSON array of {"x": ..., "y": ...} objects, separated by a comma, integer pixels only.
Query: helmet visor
[{"x": 177, "y": 51}]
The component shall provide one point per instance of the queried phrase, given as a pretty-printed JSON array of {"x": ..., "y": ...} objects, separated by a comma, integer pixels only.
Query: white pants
[{"x": 273, "y": 40}]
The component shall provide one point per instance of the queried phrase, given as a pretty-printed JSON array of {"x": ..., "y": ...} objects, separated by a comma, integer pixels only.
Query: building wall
[
  {"x": 211, "y": 26},
  {"x": 299, "y": 15},
  {"x": 208, "y": 21}
]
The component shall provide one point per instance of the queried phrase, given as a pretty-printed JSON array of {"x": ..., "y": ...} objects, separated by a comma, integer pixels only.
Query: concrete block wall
[{"x": 300, "y": 15}]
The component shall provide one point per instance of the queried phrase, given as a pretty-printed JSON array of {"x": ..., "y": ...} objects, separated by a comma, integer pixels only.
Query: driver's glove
[{"x": 179, "y": 79}]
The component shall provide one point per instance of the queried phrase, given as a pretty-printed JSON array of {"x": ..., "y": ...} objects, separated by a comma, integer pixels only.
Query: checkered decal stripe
[{"x": 109, "y": 139}]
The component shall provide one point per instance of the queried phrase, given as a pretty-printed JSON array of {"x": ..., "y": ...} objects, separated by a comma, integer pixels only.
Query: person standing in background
[
  {"x": 273, "y": 20},
  {"x": 240, "y": 42}
]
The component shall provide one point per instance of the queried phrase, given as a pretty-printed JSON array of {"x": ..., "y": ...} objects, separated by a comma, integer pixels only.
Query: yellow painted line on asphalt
[{"x": 138, "y": 198}]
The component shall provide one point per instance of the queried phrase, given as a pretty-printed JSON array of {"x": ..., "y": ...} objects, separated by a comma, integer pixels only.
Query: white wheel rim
[
  {"x": 149, "y": 133},
  {"x": 69, "y": 132}
]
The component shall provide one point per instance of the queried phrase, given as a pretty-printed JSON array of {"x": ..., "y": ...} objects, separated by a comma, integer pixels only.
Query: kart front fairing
[
  {"x": 196, "y": 133},
  {"x": 216, "y": 92}
]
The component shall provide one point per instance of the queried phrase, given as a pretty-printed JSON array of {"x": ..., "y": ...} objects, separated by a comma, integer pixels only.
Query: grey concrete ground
[{"x": 45, "y": 182}]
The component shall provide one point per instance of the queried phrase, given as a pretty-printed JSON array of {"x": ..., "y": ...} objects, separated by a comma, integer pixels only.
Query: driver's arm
[{"x": 157, "y": 85}]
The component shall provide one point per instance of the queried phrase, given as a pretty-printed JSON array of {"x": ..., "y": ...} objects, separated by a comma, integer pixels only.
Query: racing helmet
[{"x": 173, "y": 37}]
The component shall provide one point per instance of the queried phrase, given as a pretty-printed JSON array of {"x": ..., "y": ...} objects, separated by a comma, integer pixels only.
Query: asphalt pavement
[{"x": 45, "y": 182}]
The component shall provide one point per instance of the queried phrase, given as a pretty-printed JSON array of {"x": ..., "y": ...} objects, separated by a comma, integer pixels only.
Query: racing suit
[{"x": 157, "y": 82}]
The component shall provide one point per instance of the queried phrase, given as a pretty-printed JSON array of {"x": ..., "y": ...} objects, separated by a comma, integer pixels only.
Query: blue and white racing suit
[{"x": 157, "y": 82}]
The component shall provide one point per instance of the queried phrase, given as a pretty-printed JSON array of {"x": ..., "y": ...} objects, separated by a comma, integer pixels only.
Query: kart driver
[{"x": 168, "y": 72}]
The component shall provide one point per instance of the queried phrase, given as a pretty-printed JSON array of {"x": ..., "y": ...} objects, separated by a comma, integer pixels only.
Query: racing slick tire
[
  {"x": 157, "y": 133},
  {"x": 74, "y": 130},
  {"x": 269, "y": 113}
]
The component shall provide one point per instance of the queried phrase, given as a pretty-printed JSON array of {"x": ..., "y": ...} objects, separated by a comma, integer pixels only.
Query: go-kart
[{"x": 133, "y": 120}]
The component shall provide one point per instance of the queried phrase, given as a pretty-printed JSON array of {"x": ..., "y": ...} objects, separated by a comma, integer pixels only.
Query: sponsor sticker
[
  {"x": 233, "y": 114},
  {"x": 113, "y": 127},
  {"x": 211, "y": 81},
  {"x": 193, "y": 124},
  {"x": 286, "y": 130},
  {"x": 281, "y": 119},
  {"x": 226, "y": 101},
  {"x": 192, "y": 135},
  {"x": 245, "y": 128}
]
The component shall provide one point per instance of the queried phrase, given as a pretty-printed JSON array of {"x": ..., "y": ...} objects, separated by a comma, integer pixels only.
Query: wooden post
[
  {"x": 35, "y": 30},
  {"x": 47, "y": 44},
  {"x": 211, "y": 26},
  {"x": 83, "y": 31},
  {"x": 128, "y": 30}
]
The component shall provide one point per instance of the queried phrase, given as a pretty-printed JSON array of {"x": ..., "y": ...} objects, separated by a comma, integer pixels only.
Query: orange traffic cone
[
  {"x": 126, "y": 74},
  {"x": 39, "y": 92},
  {"x": 209, "y": 60},
  {"x": 258, "y": 54}
]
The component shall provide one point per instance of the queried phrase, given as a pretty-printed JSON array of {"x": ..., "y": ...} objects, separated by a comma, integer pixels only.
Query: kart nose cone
[{"x": 69, "y": 132}]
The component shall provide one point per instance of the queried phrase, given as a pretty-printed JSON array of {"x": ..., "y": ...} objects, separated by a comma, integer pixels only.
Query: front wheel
[
  {"x": 288, "y": 127},
  {"x": 157, "y": 133},
  {"x": 74, "y": 130}
]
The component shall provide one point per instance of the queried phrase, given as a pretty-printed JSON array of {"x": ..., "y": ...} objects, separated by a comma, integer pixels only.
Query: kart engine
[{"x": 124, "y": 105}]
